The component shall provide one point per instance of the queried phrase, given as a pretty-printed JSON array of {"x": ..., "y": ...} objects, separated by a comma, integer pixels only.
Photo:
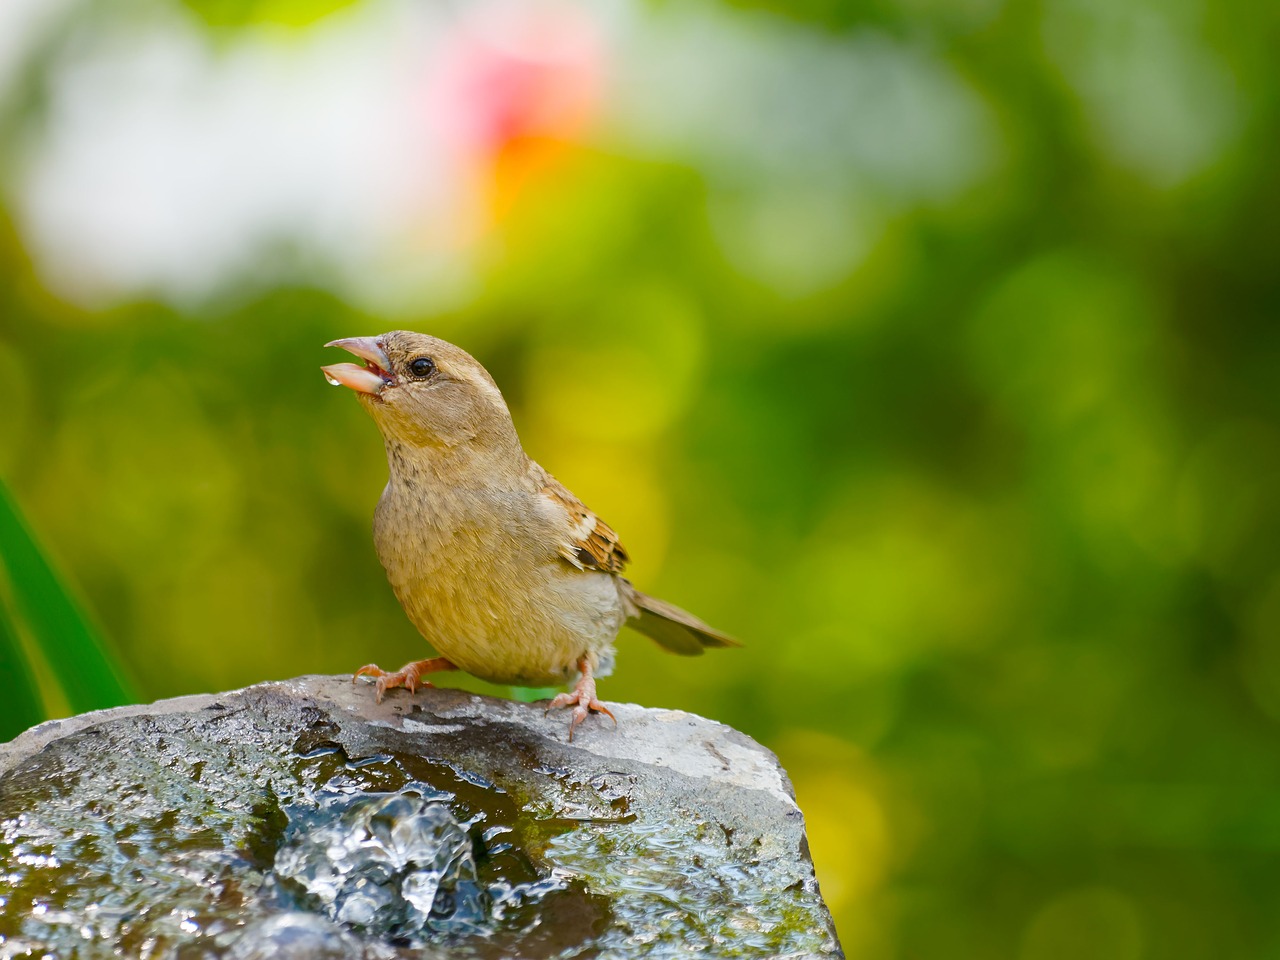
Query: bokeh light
[{"x": 930, "y": 348}]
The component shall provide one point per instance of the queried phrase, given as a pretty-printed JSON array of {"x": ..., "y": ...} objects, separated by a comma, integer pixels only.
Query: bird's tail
[{"x": 677, "y": 630}]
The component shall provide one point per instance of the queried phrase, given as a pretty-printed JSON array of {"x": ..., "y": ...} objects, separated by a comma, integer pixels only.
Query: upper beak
[{"x": 370, "y": 378}]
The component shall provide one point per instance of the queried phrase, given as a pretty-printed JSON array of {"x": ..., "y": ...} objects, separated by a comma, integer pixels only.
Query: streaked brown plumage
[{"x": 504, "y": 571}]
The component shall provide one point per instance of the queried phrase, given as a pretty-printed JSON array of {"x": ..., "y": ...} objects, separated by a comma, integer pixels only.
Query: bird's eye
[{"x": 422, "y": 367}]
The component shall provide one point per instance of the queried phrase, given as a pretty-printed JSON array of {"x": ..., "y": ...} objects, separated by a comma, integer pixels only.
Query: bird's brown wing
[{"x": 588, "y": 542}]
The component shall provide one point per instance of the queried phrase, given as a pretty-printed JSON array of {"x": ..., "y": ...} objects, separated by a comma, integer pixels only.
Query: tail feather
[{"x": 677, "y": 630}]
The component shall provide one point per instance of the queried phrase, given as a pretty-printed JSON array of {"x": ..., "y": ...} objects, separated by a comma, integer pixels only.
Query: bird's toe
[
  {"x": 561, "y": 700},
  {"x": 583, "y": 707}
]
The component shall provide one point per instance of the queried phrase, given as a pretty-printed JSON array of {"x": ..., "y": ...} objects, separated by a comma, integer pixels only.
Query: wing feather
[{"x": 589, "y": 542}]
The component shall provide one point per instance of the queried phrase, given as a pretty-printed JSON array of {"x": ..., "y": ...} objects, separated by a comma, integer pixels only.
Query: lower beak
[{"x": 371, "y": 378}]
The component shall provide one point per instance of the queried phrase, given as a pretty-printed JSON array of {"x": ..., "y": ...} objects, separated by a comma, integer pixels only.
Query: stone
[{"x": 302, "y": 819}]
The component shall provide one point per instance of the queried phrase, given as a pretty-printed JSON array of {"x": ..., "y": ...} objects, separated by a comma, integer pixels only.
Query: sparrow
[{"x": 508, "y": 575}]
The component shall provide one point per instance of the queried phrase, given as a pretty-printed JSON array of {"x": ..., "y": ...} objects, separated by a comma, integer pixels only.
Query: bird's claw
[
  {"x": 385, "y": 681},
  {"x": 583, "y": 700},
  {"x": 408, "y": 676}
]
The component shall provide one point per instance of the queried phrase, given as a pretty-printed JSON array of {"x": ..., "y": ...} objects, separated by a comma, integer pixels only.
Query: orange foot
[
  {"x": 584, "y": 696},
  {"x": 406, "y": 676}
]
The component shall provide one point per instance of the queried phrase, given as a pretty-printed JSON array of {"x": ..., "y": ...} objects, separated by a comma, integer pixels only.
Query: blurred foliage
[
  {"x": 982, "y": 471},
  {"x": 23, "y": 706},
  {"x": 240, "y": 13},
  {"x": 84, "y": 674}
]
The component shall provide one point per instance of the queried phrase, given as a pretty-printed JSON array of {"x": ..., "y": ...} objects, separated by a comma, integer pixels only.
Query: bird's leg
[
  {"x": 406, "y": 676},
  {"x": 583, "y": 699}
]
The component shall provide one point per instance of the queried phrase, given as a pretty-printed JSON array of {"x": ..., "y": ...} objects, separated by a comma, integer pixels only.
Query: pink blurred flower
[{"x": 516, "y": 85}]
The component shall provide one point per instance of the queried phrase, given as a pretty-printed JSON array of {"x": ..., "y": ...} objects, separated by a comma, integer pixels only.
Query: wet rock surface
[{"x": 299, "y": 819}]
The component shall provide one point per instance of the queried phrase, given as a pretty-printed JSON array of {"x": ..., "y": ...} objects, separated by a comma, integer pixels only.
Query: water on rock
[{"x": 273, "y": 825}]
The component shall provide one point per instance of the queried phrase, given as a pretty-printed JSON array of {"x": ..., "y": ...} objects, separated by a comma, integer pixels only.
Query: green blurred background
[{"x": 928, "y": 347}]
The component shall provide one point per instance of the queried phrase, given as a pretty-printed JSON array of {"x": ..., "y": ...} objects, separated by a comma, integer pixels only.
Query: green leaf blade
[
  {"x": 56, "y": 621},
  {"x": 23, "y": 707}
]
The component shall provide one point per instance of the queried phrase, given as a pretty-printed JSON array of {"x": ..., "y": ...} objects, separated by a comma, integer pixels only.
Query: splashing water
[{"x": 394, "y": 865}]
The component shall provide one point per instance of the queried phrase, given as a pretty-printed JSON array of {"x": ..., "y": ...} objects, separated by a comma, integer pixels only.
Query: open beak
[{"x": 370, "y": 378}]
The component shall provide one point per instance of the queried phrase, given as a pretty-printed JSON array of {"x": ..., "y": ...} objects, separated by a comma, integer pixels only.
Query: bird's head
[{"x": 424, "y": 392}]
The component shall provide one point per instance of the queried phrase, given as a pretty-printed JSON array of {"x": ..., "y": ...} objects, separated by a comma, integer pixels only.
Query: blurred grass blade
[
  {"x": 55, "y": 620},
  {"x": 22, "y": 707}
]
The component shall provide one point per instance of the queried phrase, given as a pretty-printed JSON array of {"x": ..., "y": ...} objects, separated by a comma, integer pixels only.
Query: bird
[{"x": 508, "y": 575}]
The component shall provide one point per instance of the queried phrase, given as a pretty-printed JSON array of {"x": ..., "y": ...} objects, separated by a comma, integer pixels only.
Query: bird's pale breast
[{"x": 479, "y": 578}]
